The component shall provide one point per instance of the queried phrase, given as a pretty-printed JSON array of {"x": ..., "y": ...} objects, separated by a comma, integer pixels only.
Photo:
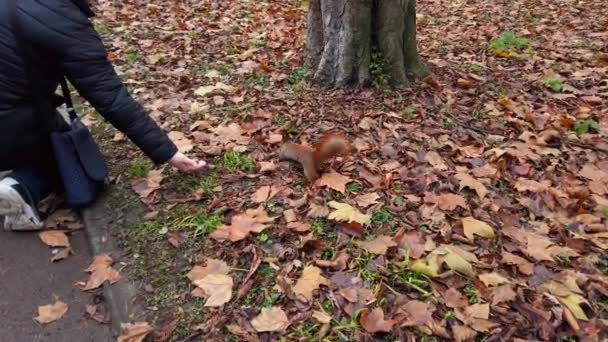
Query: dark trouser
[{"x": 36, "y": 170}]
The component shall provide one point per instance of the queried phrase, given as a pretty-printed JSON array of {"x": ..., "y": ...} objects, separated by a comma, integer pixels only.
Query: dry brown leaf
[
  {"x": 261, "y": 194},
  {"x": 62, "y": 254},
  {"x": 274, "y": 139},
  {"x": 334, "y": 180},
  {"x": 290, "y": 215},
  {"x": 318, "y": 211},
  {"x": 436, "y": 160},
  {"x": 593, "y": 173},
  {"x": 146, "y": 186},
  {"x": 51, "y": 312},
  {"x": 367, "y": 200},
  {"x": 101, "y": 271},
  {"x": 412, "y": 242},
  {"x": 54, "y": 238},
  {"x": 217, "y": 287},
  {"x": 339, "y": 263},
  {"x": 486, "y": 170},
  {"x": 184, "y": 145},
  {"x": 271, "y": 320},
  {"x": 503, "y": 293},
  {"x": 462, "y": 333},
  {"x": 310, "y": 280},
  {"x": 417, "y": 313},
  {"x": 253, "y": 220},
  {"x": 374, "y": 321},
  {"x": 493, "y": 279},
  {"x": 134, "y": 332},
  {"x": 213, "y": 266},
  {"x": 523, "y": 265},
  {"x": 299, "y": 226},
  {"x": 525, "y": 184},
  {"x": 478, "y": 311},
  {"x": 267, "y": 166},
  {"x": 446, "y": 202},
  {"x": 379, "y": 245},
  {"x": 454, "y": 299},
  {"x": 472, "y": 183}
]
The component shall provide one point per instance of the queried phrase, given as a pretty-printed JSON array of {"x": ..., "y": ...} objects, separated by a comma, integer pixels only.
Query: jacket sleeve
[{"x": 84, "y": 61}]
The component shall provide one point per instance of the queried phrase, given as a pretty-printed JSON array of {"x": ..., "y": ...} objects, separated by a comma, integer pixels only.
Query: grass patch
[
  {"x": 139, "y": 169},
  {"x": 203, "y": 224},
  {"x": 554, "y": 84},
  {"x": 507, "y": 41},
  {"x": 585, "y": 126},
  {"x": 471, "y": 292},
  {"x": 235, "y": 161},
  {"x": 299, "y": 75}
]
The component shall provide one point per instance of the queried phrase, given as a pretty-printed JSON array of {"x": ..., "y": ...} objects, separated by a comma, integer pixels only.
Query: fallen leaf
[
  {"x": 213, "y": 266},
  {"x": 334, "y": 180},
  {"x": 573, "y": 302},
  {"x": 525, "y": 184},
  {"x": 253, "y": 220},
  {"x": 317, "y": 211},
  {"x": 486, "y": 170},
  {"x": 180, "y": 140},
  {"x": 274, "y": 139},
  {"x": 492, "y": 279},
  {"x": 593, "y": 173},
  {"x": 462, "y": 333},
  {"x": 261, "y": 195},
  {"x": 436, "y": 160},
  {"x": 346, "y": 213},
  {"x": 299, "y": 226},
  {"x": 134, "y": 332},
  {"x": 54, "y": 238},
  {"x": 146, "y": 186},
  {"x": 101, "y": 271},
  {"x": 339, "y": 263},
  {"x": 474, "y": 227},
  {"x": 454, "y": 299},
  {"x": 503, "y": 293},
  {"x": 267, "y": 166},
  {"x": 523, "y": 265},
  {"x": 367, "y": 200},
  {"x": 310, "y": 280},
  {"x": 446, "y": 202},
  {"x": 478, "y": 311},
  {"x": 217, "y": 287},
  {"x": 290, "y": 215},
  {"x": 379, "y": 245},
  {"x": 51, "y": 312},
  {"x": 417, "y": 313},
  {"x": 411, "y": 242},
  {"x": 62, "y": 254},
  {"x": 218, "y": 88},
  {"x": 374, "y": 322},
  {"x": 472, "y": 183},
  {"x": 321, "y": 317},
  {"x": 271, "y": 320}
]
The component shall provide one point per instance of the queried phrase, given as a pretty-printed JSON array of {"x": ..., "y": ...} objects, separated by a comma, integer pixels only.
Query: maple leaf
[
  {"x": 101, "y": 271},
  {"x": 346, "y": 213},
  {"x": 367, "y": 200},
  {"x": 180, "y": 140},
  {"x": 374, "y": 321},
  {"x": 474, "y": 227},
  {"x": 525, "y": 184},
  {"x": 310, "y": 280},
  {"x": 334, "y": 180},
  {"x": 51, "y": 312},
  {"x": 270, "y": 320},
  {"x": 417, "y": 313},
  {"x": 54, "y": 238},
  {"x": 472, "y": 183},
  {"x": 446, "y": 202},
  {"x": 213, "y": 266},
  {"x": 146, "y": 186},
  {"x": 217, "y": 287},
  {"x": 134, "y": 332},
  {"x": 379, "y": 245},
  {"x": 486, "y": 170},
  {"x": 253, "y": 220},
  {"x": 523, "y": 265},
  {"x": 503, "y": 293},
  {"x": 454, "y": 299}
]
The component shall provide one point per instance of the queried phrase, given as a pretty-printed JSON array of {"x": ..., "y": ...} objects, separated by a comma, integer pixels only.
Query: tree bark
[{"x": 342, "y": 33}]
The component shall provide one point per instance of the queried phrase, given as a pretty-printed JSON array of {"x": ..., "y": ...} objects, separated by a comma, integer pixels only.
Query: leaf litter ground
[{"x": 475, "y": 206}]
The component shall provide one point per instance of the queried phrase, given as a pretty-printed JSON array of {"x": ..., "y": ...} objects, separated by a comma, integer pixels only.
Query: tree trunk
[{"x": 342, "y": 34}]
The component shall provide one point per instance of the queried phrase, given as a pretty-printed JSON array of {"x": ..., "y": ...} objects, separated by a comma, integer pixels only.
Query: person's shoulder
[{"x": 53, "y": 12}]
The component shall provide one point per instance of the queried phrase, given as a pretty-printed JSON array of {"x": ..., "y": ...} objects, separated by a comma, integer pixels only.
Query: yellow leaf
[
  {"x": 473, "y": 227},
  {"x": 456, "y": 262},
  {"x": 321, "y": 317},
  {"x": 217, "y": 287},
  {"x": 310, "y": 280},
  {"x": 346, "y": 213},
  {"x": 430, "y": 268},
  {"x": 573, "y": 302}
]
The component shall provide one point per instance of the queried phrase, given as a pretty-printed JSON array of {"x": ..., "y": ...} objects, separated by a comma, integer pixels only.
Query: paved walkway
[{"x": 28, "y": 279}]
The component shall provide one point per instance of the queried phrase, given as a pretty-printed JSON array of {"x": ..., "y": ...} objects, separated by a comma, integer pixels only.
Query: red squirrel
[{"x": 311, "y": 158}]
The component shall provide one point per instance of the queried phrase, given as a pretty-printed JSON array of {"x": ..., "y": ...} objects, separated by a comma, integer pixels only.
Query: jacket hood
[{"x": 84, "y": 7}]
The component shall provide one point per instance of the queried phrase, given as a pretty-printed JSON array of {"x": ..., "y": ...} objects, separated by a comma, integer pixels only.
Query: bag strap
[{"x": 40, "y": 102}]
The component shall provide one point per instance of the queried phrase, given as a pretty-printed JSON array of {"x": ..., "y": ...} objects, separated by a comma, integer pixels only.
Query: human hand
[{"x": 186, "y": 164}]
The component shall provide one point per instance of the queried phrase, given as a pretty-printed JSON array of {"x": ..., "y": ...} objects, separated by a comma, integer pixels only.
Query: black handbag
[{"x": 81, "y": 165}]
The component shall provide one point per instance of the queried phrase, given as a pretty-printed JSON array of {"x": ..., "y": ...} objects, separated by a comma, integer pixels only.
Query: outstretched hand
[{"x": 187, "y": 164}]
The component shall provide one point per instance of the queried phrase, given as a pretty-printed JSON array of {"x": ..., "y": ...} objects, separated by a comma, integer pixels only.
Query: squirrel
[{"x": 311, "y": 158}]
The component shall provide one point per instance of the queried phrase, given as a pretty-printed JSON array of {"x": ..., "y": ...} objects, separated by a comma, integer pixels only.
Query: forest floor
[{"x": 477, "y": 198}]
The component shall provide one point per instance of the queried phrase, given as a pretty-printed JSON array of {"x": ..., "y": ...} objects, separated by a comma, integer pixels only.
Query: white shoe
[{"x": 17, "y": 208}]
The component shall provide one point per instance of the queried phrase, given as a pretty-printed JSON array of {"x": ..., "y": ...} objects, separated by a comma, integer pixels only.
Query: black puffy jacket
[{"x": 65, "y": 42}]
